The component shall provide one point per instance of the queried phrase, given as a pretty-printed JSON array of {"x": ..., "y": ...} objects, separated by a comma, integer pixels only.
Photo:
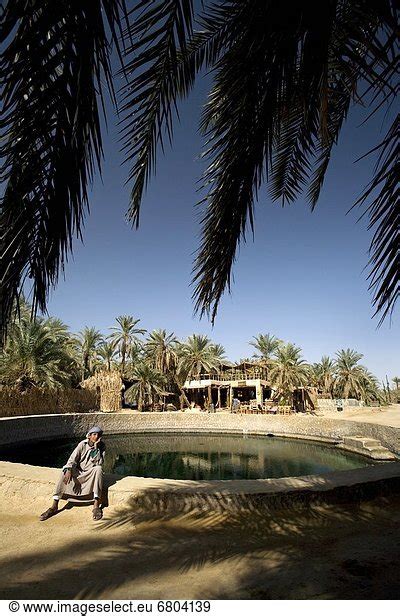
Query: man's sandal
[
  {"x": 97, "y": 513},
  {"x": 48, "y": 514}
]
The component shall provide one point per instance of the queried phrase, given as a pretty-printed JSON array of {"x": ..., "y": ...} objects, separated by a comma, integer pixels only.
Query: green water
[{"x": 199, "y": 457}]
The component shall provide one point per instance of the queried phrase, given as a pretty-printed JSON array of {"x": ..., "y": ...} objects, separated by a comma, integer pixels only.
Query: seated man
[{"x": 84, "y": 470}]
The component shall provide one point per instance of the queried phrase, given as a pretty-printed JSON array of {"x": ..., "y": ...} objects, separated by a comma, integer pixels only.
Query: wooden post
[
  {"x": 209, "y": 395},
  {"x": 219, "y": 397},
  {"x": 259, "y": 393}
]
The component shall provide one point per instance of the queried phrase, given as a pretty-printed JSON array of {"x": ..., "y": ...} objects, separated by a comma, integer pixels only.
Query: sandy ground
[
  {"x": 332, "y": 552},
  {"x": 385, "y": 415}
]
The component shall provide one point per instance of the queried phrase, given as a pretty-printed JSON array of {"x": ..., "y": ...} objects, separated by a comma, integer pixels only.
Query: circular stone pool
[{"x": 198, "y": 457}]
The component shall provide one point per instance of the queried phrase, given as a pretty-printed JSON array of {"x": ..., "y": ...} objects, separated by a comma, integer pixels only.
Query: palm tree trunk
[
  {"x": 84, "y": 366},
  {"x": 184, "y": 397}
]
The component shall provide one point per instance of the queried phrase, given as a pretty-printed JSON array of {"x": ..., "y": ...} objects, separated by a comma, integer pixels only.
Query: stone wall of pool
[
  {"x": 41, "y": 427},
  {"x": 36, "y": 483}
]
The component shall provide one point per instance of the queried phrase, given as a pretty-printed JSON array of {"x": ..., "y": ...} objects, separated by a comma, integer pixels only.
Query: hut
[
  {"x": 245, "y": 380},
  {"x": 109, "y": 388}
]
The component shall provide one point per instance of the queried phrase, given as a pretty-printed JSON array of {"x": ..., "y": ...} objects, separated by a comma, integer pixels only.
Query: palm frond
[
  {"x": 220, "y": 25},
  {"x": 301, "y": 119},
  {"x": 349, "y": 43},
  {"x": 296, "y": 92},
  {"x": 238, "y": 121},
  {"x": 56, "y": 59},
  {"x": 382, "y": 197},
  {"x": 159, "y": 32},
  {"x": 162, "y": 63}
]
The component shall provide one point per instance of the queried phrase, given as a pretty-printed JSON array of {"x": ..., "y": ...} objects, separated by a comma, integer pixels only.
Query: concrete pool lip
[
  {"x": 364, "y": 483},
  {"x": 38, "y": 482}
]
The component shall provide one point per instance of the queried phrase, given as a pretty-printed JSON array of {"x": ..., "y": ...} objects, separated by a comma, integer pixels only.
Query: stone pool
[{"x": 198, "y": 456}]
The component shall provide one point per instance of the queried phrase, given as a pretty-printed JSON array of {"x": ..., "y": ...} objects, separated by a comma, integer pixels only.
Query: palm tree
[
  {"x": 37, "y": 355},
  {"x": 370, "y": 388},
  {"x": 218, "y": 351},
  {"x": 89, "y": 340},
  {"x": 149, "y": 383},
  {"x": 289, "y": 370},
  {"x": 198, "y": 355},
  {"x": 396, "y": 381},
  {"x": 349, "y": 374},
  {"x": 322, "y": 375},
  {"x": 61, "y": 335},
  {"x": 58, "y": 329},
  {"x": 267, "y": 346},
  {"x": 161, "y": 351},
  {"x": 124, "y": 336},
  {"x": 136, "y": 355},
  {"x": 107, "y": 353},
  {"x": 285, "y": 75}
]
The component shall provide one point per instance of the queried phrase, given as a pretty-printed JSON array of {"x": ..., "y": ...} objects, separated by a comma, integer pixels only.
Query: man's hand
[
  {"x": 67, "y": 477},
  {"x": 77, "y": 488}
]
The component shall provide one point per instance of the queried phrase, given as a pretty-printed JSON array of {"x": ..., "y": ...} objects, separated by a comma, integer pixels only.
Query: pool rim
[
  {"x": 18, "y": 477},
  {"x": 322, "y": 441}
]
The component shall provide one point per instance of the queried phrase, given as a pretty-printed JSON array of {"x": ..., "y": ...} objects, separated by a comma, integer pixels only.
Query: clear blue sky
[{"x": 302, "y": 279}]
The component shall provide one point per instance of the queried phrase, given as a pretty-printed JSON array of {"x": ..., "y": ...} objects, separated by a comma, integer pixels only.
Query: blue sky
[{"x": 302, "y": 279}]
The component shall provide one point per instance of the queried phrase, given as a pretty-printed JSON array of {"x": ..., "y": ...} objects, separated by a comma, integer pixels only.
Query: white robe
[{"x": 87, "y": 471}]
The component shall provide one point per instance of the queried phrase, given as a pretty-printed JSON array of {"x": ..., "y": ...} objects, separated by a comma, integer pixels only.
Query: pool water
[{"x": 198, "y": 457}]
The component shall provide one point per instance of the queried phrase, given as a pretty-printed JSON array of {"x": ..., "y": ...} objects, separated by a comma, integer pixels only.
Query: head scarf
[{"x": 95, "y": 430}]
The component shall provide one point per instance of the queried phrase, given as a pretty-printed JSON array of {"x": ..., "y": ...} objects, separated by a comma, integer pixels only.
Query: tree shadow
[{"x": 268, "y": 551}]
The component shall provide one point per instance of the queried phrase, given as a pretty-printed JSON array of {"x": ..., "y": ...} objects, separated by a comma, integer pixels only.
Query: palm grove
[{"x": 43, "y": 353}]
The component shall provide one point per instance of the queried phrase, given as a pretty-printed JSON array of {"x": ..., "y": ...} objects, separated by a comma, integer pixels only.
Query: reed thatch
[
  {"x": 108, "y": 386},
  {"x": 46, "y": 401}
]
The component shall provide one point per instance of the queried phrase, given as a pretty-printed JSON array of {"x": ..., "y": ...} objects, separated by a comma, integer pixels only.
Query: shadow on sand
[{"x": 248, "y": 549}]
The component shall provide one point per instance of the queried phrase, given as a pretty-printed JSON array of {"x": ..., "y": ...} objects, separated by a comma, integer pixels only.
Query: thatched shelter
[{"x": 109, "y": 387}]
